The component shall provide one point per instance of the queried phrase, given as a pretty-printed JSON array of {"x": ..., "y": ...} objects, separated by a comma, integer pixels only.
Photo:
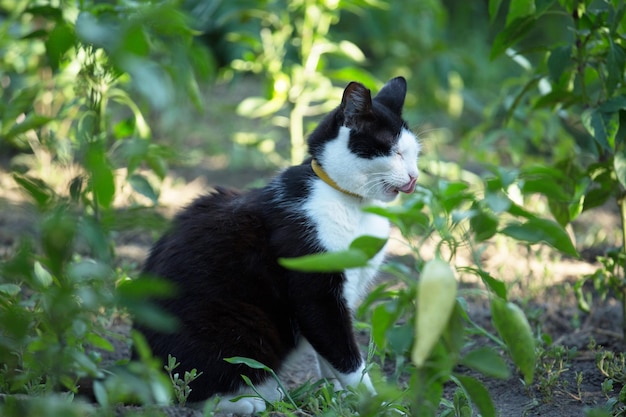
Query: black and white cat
[{"x": 234, "y": 299}]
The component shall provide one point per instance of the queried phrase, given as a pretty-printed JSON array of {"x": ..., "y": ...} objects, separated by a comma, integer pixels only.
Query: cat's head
[{"x": 365, "y": 146}]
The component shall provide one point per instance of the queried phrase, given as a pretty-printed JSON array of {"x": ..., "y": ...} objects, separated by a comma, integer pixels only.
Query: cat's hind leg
[{"x": 246, "y": 401}]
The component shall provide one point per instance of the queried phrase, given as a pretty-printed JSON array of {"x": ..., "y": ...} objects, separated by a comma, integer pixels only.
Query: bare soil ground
[{"x": 543, "y": 285}]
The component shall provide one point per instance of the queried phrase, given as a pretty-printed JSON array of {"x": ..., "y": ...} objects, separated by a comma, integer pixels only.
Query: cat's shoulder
[{"x": 293, "y": 183}]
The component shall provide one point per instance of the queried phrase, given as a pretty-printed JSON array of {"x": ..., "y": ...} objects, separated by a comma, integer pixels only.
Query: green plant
[
  {"x": 292, "y": 52},
  {"x": 552, "y": 362},
  {"x": 181, "y": 386},
  {"x": 78, "y": 81},
  {"x": 580, "y": 79}
]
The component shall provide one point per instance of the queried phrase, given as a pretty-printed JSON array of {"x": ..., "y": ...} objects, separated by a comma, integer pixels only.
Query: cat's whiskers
[{"x": 377, "y": 179}]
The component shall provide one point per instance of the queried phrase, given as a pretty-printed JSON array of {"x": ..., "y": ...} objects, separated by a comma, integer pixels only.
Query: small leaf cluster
[{"x": 180, "y": 385}]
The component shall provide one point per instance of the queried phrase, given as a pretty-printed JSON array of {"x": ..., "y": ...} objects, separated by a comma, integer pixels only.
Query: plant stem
[
  {"x": 622, "y": 205},
  {"x": 296, "y": 132}
]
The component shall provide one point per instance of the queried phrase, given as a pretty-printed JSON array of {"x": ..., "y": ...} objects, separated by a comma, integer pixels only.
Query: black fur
[{"x": 233, "y": 298}]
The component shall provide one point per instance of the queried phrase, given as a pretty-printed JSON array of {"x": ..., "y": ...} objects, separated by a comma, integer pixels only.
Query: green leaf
[
  {"x": 47, "y": 12},
  {"x": 488, "y": 362},
  {"x": 30, "y": 122},
  {"x": 511, "y": 34},
  {"x": 400, "y": 338},
  {"x": 134, "y": 41},
  {"x": 143, "y": 187},
  {"x": 251, "y": 363},
  {"x": 545, "y": 180},
  {"x": 614, "y": 104},
  {"x": 494, "y": 6},
  {"x": 36, "y": 188},
  {"x": 478, "y": 394},
  {"x": 102, "y": 179},
  {"x": 43, "y": 277},
  {"x": 21, "y": 102},
  {"x": 615, "y": 60},
  {"x": 60, "y": 40},
  {"x": 559, "y": 60},
  {"x": 602, "y": 126},
  {"x": 361, "y": 250},
  {"x": 352, "y": 51},
  {"x": 99, "y": 342},
  {"x": 542, "y": 230},
  {"x": 498, "y": 287},
  {"x": 382, "y": 320},
  {"x": 484, "y": 225},
  {"x": 520, "y": 8},
  {"x": 146, "y": 286},
  {"x": 10, "y": 289},
  {"x": 327, "y": 262},
  {"x": 528, "y": 86},
  {"x": 369, "y": 245}
]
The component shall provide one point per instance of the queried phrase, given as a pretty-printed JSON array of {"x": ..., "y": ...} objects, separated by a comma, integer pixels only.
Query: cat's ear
[
  {"x": 356, "y": 101},
  {"x": 392, "y": 94}
]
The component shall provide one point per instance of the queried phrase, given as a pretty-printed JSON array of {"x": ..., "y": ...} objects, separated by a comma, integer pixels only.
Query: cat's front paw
[
  {"x": 243, "y": 406},
  {"x": 353, "y": 379}
]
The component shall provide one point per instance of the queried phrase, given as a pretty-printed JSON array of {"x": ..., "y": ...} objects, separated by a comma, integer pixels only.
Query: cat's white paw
[
  {"x": 353, "y": 379},
  {"x": 342, "y": 380},
  {"x": 243, "y": 406},
  {"x": 269, "y": 390}
]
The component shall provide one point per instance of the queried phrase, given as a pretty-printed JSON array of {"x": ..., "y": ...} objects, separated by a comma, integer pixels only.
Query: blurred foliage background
[{"x": 101, "y": 101}]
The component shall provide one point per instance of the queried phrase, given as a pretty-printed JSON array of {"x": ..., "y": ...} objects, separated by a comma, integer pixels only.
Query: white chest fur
[{"x": 339, "y": 219}]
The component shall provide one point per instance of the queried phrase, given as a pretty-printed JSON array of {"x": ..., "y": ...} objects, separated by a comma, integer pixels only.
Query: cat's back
[{"x": 214, "y": 233}]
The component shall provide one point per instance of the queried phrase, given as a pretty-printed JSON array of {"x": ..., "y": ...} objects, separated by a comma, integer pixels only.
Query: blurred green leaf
[
  {"x": 602, "y": 126},
  {"x": 615, "y": 62},
  {"x": 520, "y": 8},
  {"x": 478, "y": 394},
  {"x": 327, "y": 262},
  {"x": 560, "y": 59},
  {"x": 59, "y": 41},
  {"x": 513, "y": 32},
  {"x": 48, "y": 12},
  {"x": 369, "y": 245},
  {"x": 494, "y": 6},
  {"x": 143, "y": 187},
  {"x": 10, "y": 289},
  {"x": 382, "y": 320},
  {"x": 101, "y": 174},
  {"x": 619, "y": 163},
  {"x": 36, "y": 188},
  {"x": 145, "y": 287},
  {"x": 498, "y": 287},
  {"x": 30, "y": 122},
  {"x": 21, "y": 102},
  {"x": 542, "y": 230},
  {"x": 484, "y": 225},
  {"x": 99, "y": 342},
  {"x": 351, "y": 51},
  {"x": 42, "y": 276},
  {"x": 486, "y": 361},
  {"x": 251, "y": 363},
  {"x": 361, "y": 250}
]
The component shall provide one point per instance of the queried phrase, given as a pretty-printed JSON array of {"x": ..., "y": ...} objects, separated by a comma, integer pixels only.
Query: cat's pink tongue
[{"x": 409, "y": 187}]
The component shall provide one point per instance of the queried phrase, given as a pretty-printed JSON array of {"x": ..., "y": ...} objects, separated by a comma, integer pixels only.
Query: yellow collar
[{"x": 319, "y": 171}]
